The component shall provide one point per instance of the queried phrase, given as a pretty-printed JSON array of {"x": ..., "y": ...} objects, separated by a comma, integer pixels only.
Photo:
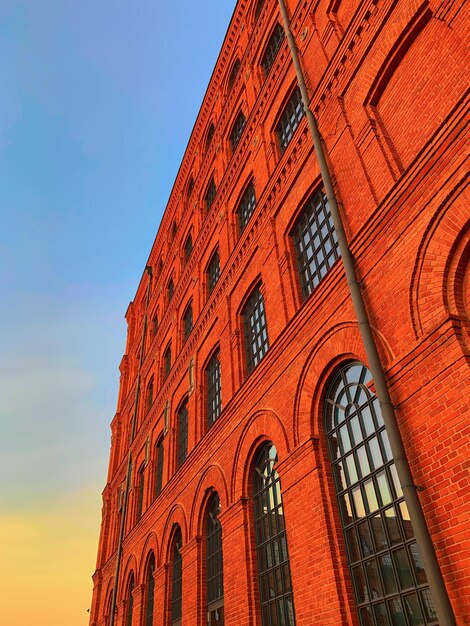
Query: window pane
[{"x": 256, "y": 336}]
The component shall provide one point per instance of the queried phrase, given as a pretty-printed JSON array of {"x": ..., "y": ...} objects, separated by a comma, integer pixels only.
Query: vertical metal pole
[
  {"x": 148, "y": 269},
  {"x": 431, "y": 565}
]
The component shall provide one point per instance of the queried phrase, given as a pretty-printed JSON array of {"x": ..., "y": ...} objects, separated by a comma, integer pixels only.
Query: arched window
[
  {"x": 170, "y": 290},
  {"x": 176, "y": 581},
  {"x": 187, "y": 321},
  {"x": 188, "y": 248},
  {"x": 277, "y": 606},
  {"x": 130, "y": 601},
  {"x": 237, "y": 130},
  {"x": 108, "y": 608},
  {"x": 255, "y": 329},
  {"x": 213, "y": 388},
  {"x": 149, "y": 592},
  {"x": 214, "y": 565},
  {"x": 387, "y": 572},
  {"x": 167, "y": 362},
  {"x": 190, "y": 187}
]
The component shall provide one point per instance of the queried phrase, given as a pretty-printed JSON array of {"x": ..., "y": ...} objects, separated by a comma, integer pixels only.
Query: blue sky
[{"x": 98, "y": 102}]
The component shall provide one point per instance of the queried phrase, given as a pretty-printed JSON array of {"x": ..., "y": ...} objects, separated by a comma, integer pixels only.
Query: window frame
[
  {"x": 243, "y": 216},
  {"x": 232, "y": 77},
  {"x": 166, "y": 361},
  {"x": 214, "y": 558},
  {"x": 187, "y": 321},
  {"x": 370, "y": 505},
  {"x": 176, "y": 601},
  {"x": 182, "y": 418},
  {"x": 250, "y": 332},
  {"x": 211, "y": 284},
  {"x": 149, "y": 607},
  {"x": 213, "y": 388},
  {"x": 210, "y": 195},
  {"x": 140, "y": 493},
  {"x": 284, "y": 115},
  {"x": 272, "y": 48},
  {"x": 159, "y": 456},
  {"x": 188, "y": 247},
  {"x": 237, "y": 129}
]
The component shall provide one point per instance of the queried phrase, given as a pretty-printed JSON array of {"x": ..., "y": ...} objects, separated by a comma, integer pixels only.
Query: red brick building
[{"x": 262, "y": 487}]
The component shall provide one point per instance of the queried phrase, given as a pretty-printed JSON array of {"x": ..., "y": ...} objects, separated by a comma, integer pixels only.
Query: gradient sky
[{"x": 97, "y": 103}]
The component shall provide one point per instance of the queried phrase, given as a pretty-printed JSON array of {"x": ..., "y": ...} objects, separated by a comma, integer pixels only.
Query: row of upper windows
[
  {"x": 267, "y": 60},
  {"x": 316, "y": 249},
  {"x": 387, "y": 574}
]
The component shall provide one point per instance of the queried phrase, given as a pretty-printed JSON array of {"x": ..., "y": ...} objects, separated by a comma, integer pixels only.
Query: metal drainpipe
[
  {"x": 443, "y": 607},
  {"x": 148, "y": 269}
]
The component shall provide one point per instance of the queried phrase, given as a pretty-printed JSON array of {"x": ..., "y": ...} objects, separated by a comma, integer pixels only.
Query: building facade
[{"x": 262, "y": 486}]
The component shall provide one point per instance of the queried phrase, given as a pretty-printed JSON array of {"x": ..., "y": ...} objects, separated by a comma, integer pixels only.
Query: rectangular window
[
  {"x": 167, "y": 362},
  {"x": 290, "y": 119},
  {"x": 237, "y": 130},
  {"x": 272, "y": 48},
  {"x": 315, "y": 242},
  {"x": 187, "y": 322},
  {"x": 210, "y": 195},
  {"x": 255, "y": 328},
  {"x": 213, "y": 272},
  {"x": 159, "y": 467},
  {"x": 182, "y": 451},
  {"x": 150, "y": 394},
  {"x": 214, "y": 391},
  {"x": 246, "y": 207}
]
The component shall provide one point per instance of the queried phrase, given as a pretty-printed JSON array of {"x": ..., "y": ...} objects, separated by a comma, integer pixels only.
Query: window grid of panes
[
  {"x": 214, "y": 390},
  {"x": 387, "y": 571},
  {"x": 210, "y": 195},
  {"x": 272, "y": 48},
  {"x": 247, "y": 206},
  {"x": 177, "y": 582},
  {"x": 315, "y": 242},
  {"x": 237, "y": 130},
  {"x": 187, "y": 321},
  {"x": 213, "y": 272},
  {"x": 256, "y": 331},
  {"x": 214, "y": 570},
  {"x": 150, "y": 592},
  {"x": 167, "y": 362},
  {"x": 290, "y": 119},
  {"x": 277, "y": 608},
  {"x": 182, "y": 450},
  {"x": 159, "y": 467}
]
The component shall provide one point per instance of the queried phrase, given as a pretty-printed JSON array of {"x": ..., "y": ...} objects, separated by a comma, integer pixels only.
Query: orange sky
[{"x": 46, "y": 562}]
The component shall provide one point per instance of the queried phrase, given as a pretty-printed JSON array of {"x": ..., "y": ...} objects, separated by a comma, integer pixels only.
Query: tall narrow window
[
  {"x": 149, "y": 394},
  {"x": 190, "y": 187},
  {"x": 210, "y": 195},
  {"x": 130, "y": 601},
  {"x": 210, "y": 136},
  {"x": 182, "y": 450},
  {"x": 149, "y": 592},
  {"x": 159, "y": 451},
  {"x": 259, "y": 7},
  {"x": 272, "y": 48},
  {"x": 387, "y": 572},
  {"x": 214, "y": 565},
  {"x": 237, "y": 130},
  {"x": 246, "y": 206},
  {"x": 315, "y": 242},
  {"x": 176, "y": 581},
  {"x": 275, "y": 587},
  {"x": 167, "y": 362},
  {"x": 255, "y": 330},
  {"x": 213, "y": 272},
  {"x": 154, "y": 325},
  {"x": 187, "y": 321},
  {"x": 170, "y": 290},
  {"x": 140, "y": 493},
  {"x": 233, "y": 74},
  {"x": 214, "y": 391},
  {"x": 188, "y": 248},
  {"x": 290, "y": 119}
]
